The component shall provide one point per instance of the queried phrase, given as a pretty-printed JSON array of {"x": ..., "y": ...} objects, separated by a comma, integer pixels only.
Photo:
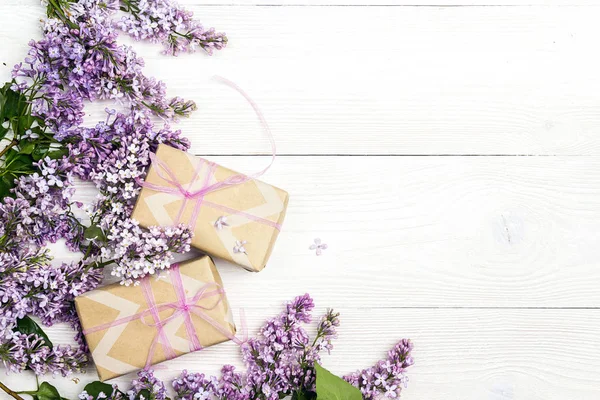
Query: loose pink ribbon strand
[
  {"x": 185, "y": 306},
  {"x": 176, "y": 188}
]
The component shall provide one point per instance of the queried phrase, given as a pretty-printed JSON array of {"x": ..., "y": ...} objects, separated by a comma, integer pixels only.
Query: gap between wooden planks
[
  {"x": 460, "y": 354},
  {"x": 381, "y": 80},
  {"x": 432, "y": 231}
]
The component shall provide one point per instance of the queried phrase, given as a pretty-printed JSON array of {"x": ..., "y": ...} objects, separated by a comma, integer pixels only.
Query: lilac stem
[
  {"x": 10, "y": 392},
  {"x": 10, "y": 146}
]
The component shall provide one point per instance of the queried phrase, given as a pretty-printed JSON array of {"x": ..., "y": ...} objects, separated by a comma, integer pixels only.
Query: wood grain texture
[
  {"x": 383, "y": 80},
  {"x": 430, "y": 232},
  {"x": 490, "y": 264},
  {"x": 412, "y": 246},
  {"x": 461, "y": 354}
]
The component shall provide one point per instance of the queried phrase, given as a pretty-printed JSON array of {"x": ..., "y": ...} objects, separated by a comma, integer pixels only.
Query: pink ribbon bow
[
  {"x": 177, "y": 188},
  {"x": 185, "y": 306}
]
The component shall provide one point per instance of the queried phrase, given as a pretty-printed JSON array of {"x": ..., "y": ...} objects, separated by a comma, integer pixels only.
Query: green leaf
[
  {"x": 46, "y": 392},
  {"x": 40, "y": 151},
  {"x": 15, "y": 160},
  {"x": 94, "y": 232},
  {"x": 14, "y": 104},
  {"x": 95, "y": 388},
  {"x": 24, "y": 123},
  {"x": 28, "y": 326},
  {"x": 304, "y": 395},
  {"x": 27, "y": 148},
  {"x": 6, "y": 183},
  {"x": 332, "y": 387},
  {"x": 3, "y": 131},
  {"x": 58, "y": 153},
  {"x": 144, "y": 394}
]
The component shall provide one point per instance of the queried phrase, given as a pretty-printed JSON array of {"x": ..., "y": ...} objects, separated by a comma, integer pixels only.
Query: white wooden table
[{"x": 448, "y": 154}]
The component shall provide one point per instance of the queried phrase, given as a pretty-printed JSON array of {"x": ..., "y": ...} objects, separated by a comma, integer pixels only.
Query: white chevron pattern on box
[
  {"x": 273, "y": 205},
  {"x": 126, "y": 308}
]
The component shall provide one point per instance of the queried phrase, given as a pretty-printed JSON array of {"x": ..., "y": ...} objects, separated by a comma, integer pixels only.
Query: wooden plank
[
  {"x": 384, "y": 80},
  {"x": 431, "y": 231},
  {"x": 460, "y": 354}
]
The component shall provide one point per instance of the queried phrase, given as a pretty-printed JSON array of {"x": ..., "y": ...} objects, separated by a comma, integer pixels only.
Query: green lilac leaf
[
  {"x": 93, "y": 232},
  {"x": 332, "y": 387},
  {"x": 27, "y": 148},
  {"x": 19, "y": 164},
  {"x": 14, "y": 104},
  {"x": 304, "y": 395},
  {"x": 46, "y": 392},
  {"x": 95, "y": 388},
  {"x": 24, "y": 123},
  {"x": 144, "y": 394},
  {"x": 58, "y": 153},
  {"x": 3, "y": 131},
  {"x": 40, "y": 152},
  {"x": 28, "y": 326},
  {"x": 6, "y": 183}
]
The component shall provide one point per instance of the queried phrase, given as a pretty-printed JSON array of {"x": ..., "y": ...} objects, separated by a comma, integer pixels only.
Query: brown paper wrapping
[
  {"x": 125, "y": 347},
  {"x": 249, "y": 198}
]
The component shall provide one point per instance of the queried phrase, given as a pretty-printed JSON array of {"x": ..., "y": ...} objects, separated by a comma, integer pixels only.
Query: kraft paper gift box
[
  {"x": 231, "y": 215},
  {"x": 125, "y": 333}
]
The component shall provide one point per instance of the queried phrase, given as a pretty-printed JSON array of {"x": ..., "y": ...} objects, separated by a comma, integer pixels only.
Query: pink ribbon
[
  {"x": 185, "y": 306},
  {"x": 177, "y": 189}
]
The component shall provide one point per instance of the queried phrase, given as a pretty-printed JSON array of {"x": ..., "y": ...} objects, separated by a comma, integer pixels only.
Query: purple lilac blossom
[
  {"x": 387, "y": 377},
  {"x": 79, "y": 59},
  {"x": 279, "y": 362},
  {"x": 136, "y": 252},
  {"x": 163, "y": 21},
  {"x": 83, "y": 61}
]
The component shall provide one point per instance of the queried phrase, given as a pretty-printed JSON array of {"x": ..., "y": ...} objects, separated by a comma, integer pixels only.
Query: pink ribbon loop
[
  {"x": 175, "y": 187},
  {"x": 186, "y": 306}
]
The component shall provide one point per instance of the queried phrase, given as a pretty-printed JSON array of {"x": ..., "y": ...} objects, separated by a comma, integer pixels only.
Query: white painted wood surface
[{"x": 488, "y": 261}]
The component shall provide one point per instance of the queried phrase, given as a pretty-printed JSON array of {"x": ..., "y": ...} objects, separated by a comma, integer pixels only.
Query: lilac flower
[
  {"x": 279, "y": 362},
  {"x": 21, "y": 351},
  {"x": 138, "y": 252},
  {"x": 387, "y": 376},
  {"x": 78, "y": 58},
  {"x": 239, "y": 247},
  {"x": 190, "y": 386},
  {"x": 326, "y": 330},
  {"x": 318, "y": 246},
  {"x": 221, "y": 222},
  {"x": 163, "y": 21},
  {"x": 47, "y": 217},
  {"x": 147, "y": 381}
]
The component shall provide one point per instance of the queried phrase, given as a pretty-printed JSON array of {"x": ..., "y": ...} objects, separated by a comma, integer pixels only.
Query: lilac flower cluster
[
  {"x": 136, "y": 252},
  {"x": 146, "y": 381},
  {"x": 30, "y": 284},
  {"x": 280, "y": 362},
  {"x": 165, "y": 22},
  {"x": 387, "y": 377},
  {"x": 197, "y": 386},
  {"x": 117, "y": 172},
  {"x": 46, "y": 201},
  {"x": 79, "y": 59},
  {"x": 21, "y": 351}
]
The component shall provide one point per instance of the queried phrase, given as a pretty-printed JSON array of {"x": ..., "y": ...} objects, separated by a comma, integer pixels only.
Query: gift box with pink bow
[
  {"x": 232, "y": 215},
  {"x": 128, "y": 328}
]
